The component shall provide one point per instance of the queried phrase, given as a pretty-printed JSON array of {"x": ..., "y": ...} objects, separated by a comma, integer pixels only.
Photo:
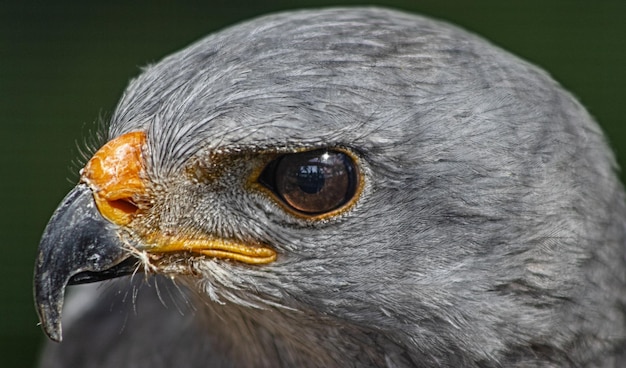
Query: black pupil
[{"x": 310, "y": 178}]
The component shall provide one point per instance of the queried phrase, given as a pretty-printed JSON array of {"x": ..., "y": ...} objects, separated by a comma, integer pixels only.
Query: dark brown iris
[{"x": 313, "y": 182}]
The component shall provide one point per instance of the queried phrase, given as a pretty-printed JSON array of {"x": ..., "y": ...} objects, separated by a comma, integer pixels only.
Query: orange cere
[
  {"x": 114, "y": 173},
  {"x": 212, "y": 247}
]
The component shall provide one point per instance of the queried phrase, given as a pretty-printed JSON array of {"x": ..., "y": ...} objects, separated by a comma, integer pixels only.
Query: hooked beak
[{"x": 78, "y": 246}]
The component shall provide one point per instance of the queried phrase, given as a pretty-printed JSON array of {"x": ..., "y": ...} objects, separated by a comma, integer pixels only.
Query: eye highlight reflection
[{"x": 312, "y": 182}]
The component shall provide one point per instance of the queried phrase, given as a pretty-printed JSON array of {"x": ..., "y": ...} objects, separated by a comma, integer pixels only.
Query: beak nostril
[
  {"x": 119, "y": 211},
  {"x": 124, "y": 205}
]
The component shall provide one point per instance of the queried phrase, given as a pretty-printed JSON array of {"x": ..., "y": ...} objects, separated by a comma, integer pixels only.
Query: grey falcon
[{"x": 334, "y": 188}]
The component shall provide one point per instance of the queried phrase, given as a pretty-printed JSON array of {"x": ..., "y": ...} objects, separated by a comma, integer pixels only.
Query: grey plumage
[{"x": 490, "y": 231}]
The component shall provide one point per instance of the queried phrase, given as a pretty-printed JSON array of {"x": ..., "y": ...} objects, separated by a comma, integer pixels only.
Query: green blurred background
[{"x": 63, "y": 64}]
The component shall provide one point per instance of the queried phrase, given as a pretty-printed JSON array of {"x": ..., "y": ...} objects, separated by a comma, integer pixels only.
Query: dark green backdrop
[{"x": 65, "y": 63}]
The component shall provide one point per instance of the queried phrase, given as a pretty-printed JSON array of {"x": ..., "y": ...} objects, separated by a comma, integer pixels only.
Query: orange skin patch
[
  {"x": 213, "y": 247},
  {"x": 115, "y": 174}
]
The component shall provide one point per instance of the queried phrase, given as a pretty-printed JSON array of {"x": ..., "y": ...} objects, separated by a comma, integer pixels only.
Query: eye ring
[{"x": 313, "y": 184}]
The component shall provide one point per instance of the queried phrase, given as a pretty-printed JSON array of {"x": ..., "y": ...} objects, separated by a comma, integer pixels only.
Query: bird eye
[{"x": 313, "y": 182}]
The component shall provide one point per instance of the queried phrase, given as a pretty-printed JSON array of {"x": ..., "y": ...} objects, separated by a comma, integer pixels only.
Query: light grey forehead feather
[{"x": 341, "y": 76}]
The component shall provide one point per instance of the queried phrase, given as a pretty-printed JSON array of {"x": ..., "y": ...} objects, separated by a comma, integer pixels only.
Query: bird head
[{"x": 381, "y": 170}]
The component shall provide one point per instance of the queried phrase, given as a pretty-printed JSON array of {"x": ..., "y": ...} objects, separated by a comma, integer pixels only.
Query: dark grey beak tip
[
  {"x": 49, "y": 311},
  {"x": 77, "y": 246}
]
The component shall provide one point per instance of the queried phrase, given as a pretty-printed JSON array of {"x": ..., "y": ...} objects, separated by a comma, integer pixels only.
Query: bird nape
[{"x": 340, "y": 187}]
